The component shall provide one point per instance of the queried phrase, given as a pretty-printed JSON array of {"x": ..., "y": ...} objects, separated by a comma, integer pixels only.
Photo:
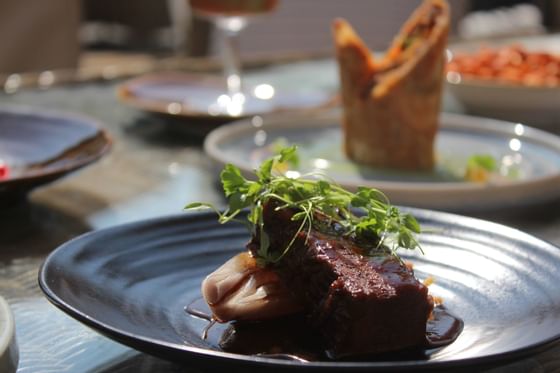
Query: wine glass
[{"x": 230, "y": 17}]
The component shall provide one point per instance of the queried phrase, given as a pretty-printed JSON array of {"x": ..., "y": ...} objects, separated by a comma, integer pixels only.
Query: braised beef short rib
[{"x": 360, "y": 304}]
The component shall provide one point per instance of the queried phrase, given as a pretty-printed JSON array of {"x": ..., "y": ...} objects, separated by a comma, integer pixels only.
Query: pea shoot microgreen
[{"x": 378, "y": 223}]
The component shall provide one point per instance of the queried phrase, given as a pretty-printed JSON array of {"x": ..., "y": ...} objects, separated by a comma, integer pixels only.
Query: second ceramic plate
[
  {"x": 530, "y": 158},
  {"x": 38, "y": 146},
  {"x": 300, "y": 85}
]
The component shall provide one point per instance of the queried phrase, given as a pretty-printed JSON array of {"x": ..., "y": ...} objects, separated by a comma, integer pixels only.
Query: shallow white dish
[
  {"x": 535, "y": 106},
  {"x": 535, "y": 153},
  {"x": 9, "y": 354}
]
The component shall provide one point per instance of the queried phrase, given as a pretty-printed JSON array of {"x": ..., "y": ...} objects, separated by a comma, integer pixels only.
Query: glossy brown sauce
[{"x": 291, "y": 338}]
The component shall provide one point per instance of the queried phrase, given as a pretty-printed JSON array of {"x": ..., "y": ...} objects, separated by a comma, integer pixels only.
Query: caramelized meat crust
[{"x": 360, "y": 304}]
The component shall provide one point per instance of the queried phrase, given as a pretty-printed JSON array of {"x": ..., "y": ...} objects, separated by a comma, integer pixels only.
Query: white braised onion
[{"x": 241, "y": 290}]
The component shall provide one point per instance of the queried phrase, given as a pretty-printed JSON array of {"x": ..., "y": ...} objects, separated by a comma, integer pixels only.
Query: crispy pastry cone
[{"x": 391, "y": 105}]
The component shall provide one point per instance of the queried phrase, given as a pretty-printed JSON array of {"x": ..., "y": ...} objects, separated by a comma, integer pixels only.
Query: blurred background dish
[
  {"x": 528, "y": 160},
  {"x": 531, "y": 92},
  {"x": 38, "y": 146},
  {"x": 9, "y": 354},
  {"x": 299, "y": 85}
]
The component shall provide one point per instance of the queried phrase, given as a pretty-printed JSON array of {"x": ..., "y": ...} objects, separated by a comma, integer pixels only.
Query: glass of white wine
[{"x": 230, "y": 17}]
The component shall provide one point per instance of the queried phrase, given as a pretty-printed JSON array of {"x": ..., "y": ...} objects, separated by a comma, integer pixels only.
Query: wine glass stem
[{"x": 230, "y": 28}]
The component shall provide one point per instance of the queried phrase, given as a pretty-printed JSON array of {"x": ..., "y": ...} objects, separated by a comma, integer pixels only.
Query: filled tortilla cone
[{"x": 391, "y": 105}]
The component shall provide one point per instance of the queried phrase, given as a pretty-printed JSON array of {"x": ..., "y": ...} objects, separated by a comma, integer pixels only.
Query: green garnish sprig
[
  {"x": 379, "y": 223},
  {"x": 483, "y": 161}
]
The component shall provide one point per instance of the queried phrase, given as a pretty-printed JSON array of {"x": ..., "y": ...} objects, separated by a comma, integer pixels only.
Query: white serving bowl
[{"x": 535, "y": 106}]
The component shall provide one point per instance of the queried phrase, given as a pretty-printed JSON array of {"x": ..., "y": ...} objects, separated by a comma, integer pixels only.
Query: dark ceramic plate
[
  {"x": 132, "y": 283},
  {"x": 39, "y": 146}
]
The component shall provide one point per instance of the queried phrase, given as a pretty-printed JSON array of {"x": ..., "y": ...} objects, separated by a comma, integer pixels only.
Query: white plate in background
[{"x": 535, "y": 154}]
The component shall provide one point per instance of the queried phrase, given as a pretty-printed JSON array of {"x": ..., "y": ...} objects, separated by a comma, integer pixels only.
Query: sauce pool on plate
[{"x": 291, "y": 338}]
